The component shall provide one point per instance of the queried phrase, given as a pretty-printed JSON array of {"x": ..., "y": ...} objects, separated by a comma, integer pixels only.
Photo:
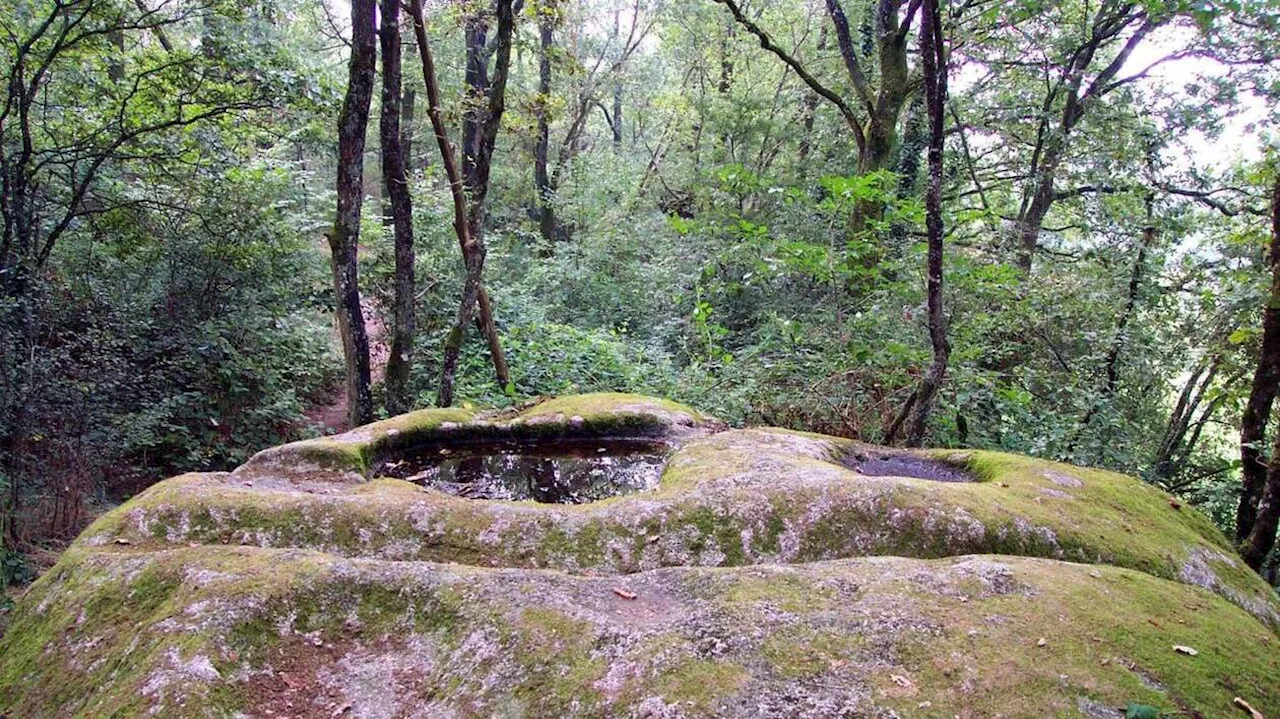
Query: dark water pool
[
  {"x": 901, "y": 465},
  {"x": 559, "y": 473}
]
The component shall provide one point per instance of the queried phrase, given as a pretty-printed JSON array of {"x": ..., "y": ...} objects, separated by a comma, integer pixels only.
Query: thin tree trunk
[
  {"x": 466, "y": 220},
  {"x": 396, "y": 183},
  {"x": 1175, "y": 446},
  {"x": 934, "y": 58},
  {"x": 1111, "y": 365},
  {"x": 1259, "y": 509},
  {"x": 344, "y": 240},
  {"x": 408, "y": 107},
  {"x": 543, "y": 186},
  {"x": 480, "y": 124},
  {"x": 616, "y": 122},
  {"x": 809, "y": 112}
]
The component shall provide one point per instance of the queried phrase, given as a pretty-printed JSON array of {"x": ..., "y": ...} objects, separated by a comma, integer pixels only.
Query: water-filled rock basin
[{"x": 559, "y": 472}]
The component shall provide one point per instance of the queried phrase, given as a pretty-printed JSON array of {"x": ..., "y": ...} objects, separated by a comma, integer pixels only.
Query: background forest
[{"x": 718, "y": 201}]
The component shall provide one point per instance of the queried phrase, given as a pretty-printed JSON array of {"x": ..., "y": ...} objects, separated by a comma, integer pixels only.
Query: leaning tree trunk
[
  {"x": 1260, "y": 502},
  {"x": 396, "y": 183},
  {"x": 465, "y": 220},
  {"x": 935, "y": 90},
  {"x": 344, "y": 240},
  {"x": 480, "y": 123}
]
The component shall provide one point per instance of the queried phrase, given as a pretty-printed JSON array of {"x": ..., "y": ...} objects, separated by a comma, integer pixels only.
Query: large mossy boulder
[{"x": 769, "y": 574}]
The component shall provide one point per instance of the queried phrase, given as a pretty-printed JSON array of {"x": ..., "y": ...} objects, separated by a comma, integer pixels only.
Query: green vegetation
[
  {"x": 701, "y": 223},
  {"x": 271, "y": 249}
]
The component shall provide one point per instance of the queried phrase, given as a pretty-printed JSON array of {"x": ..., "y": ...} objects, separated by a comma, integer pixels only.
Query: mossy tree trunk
[
  {"x": 1259, "y": 511},
  {"x": 344, "y": 239},
  {"x": 468, "y": 218},
  {"x": 934, "y": 57},
  {"x": 396, "y": 182}
]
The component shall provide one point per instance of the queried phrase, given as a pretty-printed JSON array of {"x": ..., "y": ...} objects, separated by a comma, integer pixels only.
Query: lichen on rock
[{"x": 764, "y": 576}]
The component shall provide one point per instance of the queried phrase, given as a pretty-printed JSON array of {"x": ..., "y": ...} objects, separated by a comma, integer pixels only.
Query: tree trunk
[
  {"x": 466, "y": 220},
  {"x": 1031, "y": 220},
  {"x": 1262, "y": 539},
  {"x": 396, "y": 184},
  {"x": 1259, "y": 508},
  {"x": 344, "y": 240},
  {"x": 616, "y": 123},
  {"x": 934, "y": 58},
  {"x": 543, "y": 186},
  {"x": 480, "y": 123}
]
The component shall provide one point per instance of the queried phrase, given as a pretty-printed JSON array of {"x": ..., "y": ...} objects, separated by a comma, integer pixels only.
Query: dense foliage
[{"x": 706, "y": 227}]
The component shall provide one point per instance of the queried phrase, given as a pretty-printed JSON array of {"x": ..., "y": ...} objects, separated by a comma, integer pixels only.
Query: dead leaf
[
  {"x": 1181, "y": 649},
  {"x": 1175, "y": 504},
  {"x": 1244, "y": 707},
  {"x": 341, "y": 710},
  {"x": 901, "y": 681},
  {"x": 123, "y": 541},
  {"x": 1042, "y": 642},
  {"x": 624, "y": 593}
]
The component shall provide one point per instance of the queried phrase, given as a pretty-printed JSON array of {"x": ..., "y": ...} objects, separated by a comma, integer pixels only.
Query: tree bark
[
  {"x": 480, "y": 123},
  {"x": 543, "y": 185},
  {"x": 396, "y": 184},
  {"x": 1259, "y": 508},
  {"x": 344, "y": 239},
  {"x": 934, "y": 56},
  {"x": 1052, "y": 137},
  {"x": 467, "y": 217}
]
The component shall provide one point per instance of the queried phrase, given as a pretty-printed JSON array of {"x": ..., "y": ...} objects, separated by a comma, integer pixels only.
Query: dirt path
[{"x": 331, "y": 417}]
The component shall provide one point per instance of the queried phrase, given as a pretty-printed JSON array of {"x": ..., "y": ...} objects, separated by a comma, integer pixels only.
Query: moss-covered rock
[
  {"x": 210, "y": 631},
  {"x": 773, "y": 574}
]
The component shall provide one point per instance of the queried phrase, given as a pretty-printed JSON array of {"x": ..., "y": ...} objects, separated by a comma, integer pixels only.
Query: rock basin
[{"x": 768, "y": 574}]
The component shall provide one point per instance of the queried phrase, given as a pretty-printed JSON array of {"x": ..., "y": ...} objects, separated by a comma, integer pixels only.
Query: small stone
[{"x": 1042, "y": 642}]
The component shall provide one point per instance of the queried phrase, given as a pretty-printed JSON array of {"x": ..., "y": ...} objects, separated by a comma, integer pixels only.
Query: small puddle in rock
[
  {"x": 899, "y": 465},
  {"x": 559, "y": 473}
]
